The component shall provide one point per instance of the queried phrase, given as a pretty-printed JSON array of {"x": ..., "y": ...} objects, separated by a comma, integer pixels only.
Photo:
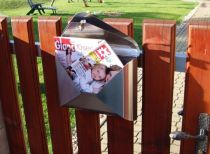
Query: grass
[{"x": 136, "y": 9}]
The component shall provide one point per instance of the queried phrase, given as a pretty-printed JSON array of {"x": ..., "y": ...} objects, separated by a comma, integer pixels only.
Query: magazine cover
[{"x": 90, "y": 63}]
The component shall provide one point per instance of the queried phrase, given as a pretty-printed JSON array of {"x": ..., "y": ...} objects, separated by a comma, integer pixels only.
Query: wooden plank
[
  {"x": 22, "y": 28},
  {"x": 158, "y": 77},
  {"x": 124, "y": 25},
  {"x": 120, "y": 135},
  {"x": 58, "y": 116},
  {"x": 8, "y": 94},
  {"x": 120, "y": 131},
  {"x": 88, "y": 132},
  {"x": 197, "y": 94}
]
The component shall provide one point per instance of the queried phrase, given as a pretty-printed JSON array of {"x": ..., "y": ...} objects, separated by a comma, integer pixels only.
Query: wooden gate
[
  {"x": 197, "y": 93},
  {"x": 158, "y": 74}
]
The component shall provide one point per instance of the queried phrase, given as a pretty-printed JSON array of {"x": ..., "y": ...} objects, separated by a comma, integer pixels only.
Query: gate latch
[{"x": 201, "y": 138}]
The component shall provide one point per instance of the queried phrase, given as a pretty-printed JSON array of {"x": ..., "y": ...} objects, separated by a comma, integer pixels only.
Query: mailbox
[{"x": 118, "y": 96}]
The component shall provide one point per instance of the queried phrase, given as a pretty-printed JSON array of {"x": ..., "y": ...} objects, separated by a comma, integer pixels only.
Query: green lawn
[{"x": 136, "y": 9}]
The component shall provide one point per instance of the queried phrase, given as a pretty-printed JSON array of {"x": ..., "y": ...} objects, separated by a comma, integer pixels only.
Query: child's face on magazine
[{"x": 98, "y": 72}]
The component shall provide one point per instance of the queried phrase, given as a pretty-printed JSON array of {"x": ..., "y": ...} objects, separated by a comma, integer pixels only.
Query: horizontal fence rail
[{"x": 180, "y": 58}]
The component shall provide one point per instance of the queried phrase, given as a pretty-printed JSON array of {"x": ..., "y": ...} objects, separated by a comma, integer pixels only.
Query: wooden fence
[{"x": 158, "y": 63}]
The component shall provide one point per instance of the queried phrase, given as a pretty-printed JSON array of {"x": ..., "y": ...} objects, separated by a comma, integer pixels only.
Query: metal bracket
[
  {"x": 82, "y": 24},
  {"x": 201, "y": 138}
]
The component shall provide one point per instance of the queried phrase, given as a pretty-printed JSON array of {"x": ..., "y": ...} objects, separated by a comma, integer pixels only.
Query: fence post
[
  {"x": 49, "y": 27},
  {"x": 22, "y": 28},
  {"x": 158, "y": 75},
  {"x": 120, "y": 131},
  {"x": 8, "y": 94},
  {"x": 88, "y": 132},
  {"x": 197, "y": 83}
]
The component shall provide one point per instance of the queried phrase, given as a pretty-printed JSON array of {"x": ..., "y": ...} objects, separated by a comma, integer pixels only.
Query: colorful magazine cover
[{"x": 90, "y": 63}]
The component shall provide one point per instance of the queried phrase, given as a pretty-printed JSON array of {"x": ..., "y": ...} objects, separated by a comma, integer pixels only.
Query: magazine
[{"x": 90, "y": 63}]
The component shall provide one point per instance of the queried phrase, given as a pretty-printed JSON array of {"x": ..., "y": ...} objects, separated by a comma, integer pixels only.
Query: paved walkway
[{"x": 201, "y": 12}]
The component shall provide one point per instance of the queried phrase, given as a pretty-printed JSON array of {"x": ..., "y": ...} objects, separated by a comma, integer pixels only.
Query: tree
[{"x": 85, "y": 3}]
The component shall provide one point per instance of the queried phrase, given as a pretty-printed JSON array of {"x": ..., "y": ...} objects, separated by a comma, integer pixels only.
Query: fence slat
[
  {"x": 8, "y": 94},
  {"x": 158, "y": 75},
  {"x": 58, "y": 116},
  {"x": 27, "y": 66},
  {"x": 197, "y": 83},
  {"x": 124, "y": 25},
  {"x": 120, "y": 131},
  {"x": 88, "y": 132}
]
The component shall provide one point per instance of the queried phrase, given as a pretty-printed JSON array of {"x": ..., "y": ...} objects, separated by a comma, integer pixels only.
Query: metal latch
[{"x": 201, "y": 138}]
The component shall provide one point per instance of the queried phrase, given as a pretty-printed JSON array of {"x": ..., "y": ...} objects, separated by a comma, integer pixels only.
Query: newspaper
[{"x": 90, "y": 63}]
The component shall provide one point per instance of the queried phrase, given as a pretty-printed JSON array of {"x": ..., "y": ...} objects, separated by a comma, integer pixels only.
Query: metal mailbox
[{"x": 119, "y": 95}]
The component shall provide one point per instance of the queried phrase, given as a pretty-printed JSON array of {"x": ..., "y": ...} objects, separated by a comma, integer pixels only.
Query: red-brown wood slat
[
  {"x": 120, "y": 131},
  {"x": 197, "y": 93},
  {"x": 124, "y": 25},
  {"x": 8, "y": 94},
  {"x": 22, "y": 28},
  {"x": 49, "y": 27},
  {"x": 88, "y": 132},
  {"x": 158, "y": 75}
]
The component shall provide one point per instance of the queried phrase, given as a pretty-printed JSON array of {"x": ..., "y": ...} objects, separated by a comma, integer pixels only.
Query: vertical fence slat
[
  {"x": 58, "y": 116},
  {"x": 120, "y": 131},
  {"x": 197, "y": 93},
  {"x": 8, "y": 94},
  {"x": 158, "y": 75},
  {"x": 88, "y": 132},
  {"x": 27, "y": 66},
  {"x": 122, "y": 24}
]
